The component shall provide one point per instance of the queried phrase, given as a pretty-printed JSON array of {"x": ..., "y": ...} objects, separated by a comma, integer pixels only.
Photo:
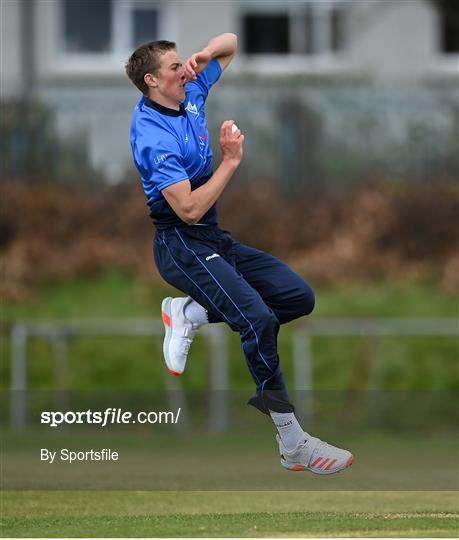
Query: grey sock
[
  {"x": 290, "y": 431},
  {"x": 196, "y": 314}
]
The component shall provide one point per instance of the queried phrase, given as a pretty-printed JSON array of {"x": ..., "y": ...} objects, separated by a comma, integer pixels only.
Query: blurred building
[{"x": 306, "y": 67}]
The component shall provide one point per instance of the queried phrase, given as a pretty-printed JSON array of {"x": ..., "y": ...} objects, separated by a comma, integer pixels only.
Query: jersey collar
[{"x": 164, "y": 110}]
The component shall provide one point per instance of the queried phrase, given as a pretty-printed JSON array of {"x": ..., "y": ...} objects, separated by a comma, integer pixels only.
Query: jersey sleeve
[
  {"x": 158, "y": 158},
  {"x": 206, "y": 79}
]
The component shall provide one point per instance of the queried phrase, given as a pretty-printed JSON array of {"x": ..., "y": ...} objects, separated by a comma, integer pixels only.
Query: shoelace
[
  {"x": 186, "y": 344},
  {"x": 306, "y": 443},
  {"x": 187, "y": 340}
]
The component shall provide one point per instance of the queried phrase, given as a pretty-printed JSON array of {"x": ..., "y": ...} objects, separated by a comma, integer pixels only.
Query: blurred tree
[
  {"x": 31, "y": 149},
  {"x": 300, "y": 142}
]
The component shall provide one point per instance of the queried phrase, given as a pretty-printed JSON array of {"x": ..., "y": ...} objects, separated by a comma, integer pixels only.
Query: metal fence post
[
  {"x": 218, "y": 403},
  {"x": 18, "y": 404},
  {"x": 375, "y": 383},
  {"x": 302, "y": 370},
  {"x": 177, "y": 400},
  {"x": 59, "y": 343}
]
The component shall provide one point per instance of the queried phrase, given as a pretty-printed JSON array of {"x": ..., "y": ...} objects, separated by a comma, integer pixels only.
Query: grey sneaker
[
  {"x": 179, "y": 333},
  {"x": 316, "y": 456}
]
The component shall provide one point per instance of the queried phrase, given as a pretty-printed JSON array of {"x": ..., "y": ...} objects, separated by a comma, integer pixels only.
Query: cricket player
[{"x": 224, "y": 280}]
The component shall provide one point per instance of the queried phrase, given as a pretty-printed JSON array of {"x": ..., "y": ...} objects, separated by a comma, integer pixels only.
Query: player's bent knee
[{"x": 309, "y": 301}]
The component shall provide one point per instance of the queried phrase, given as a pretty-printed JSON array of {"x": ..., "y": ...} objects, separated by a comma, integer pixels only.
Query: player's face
[{"x": 171, "y": 78}]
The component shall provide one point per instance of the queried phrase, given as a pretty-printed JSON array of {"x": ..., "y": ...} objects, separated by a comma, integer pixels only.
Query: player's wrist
[{"x": 231, "y": 163}]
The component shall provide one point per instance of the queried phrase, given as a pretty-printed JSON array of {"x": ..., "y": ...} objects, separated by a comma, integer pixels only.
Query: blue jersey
[{"x": 170, "y": 146}]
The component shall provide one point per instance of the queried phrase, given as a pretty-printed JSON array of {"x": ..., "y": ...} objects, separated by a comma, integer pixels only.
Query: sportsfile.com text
[{"x": 109, "y": 416}]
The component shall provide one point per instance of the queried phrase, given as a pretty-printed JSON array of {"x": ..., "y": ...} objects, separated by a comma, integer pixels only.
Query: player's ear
[{"x": 150, "y": 81}]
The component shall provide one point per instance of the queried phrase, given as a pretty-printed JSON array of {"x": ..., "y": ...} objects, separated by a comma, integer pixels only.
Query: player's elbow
[
  {"x": 233, "y": 38},
  {"x": 232, "y": 43},
  {"x": 190, "y": 214},
  {"x": 190, "y": 220}
]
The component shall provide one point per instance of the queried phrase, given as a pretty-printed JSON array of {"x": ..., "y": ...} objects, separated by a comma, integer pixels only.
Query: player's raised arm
[{"x": 222, "y": 47}]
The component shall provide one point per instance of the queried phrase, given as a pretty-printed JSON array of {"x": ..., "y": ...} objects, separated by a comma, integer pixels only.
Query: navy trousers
[{"x": 248, "y": 289}]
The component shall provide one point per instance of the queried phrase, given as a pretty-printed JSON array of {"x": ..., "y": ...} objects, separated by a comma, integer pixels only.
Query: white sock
[
  {"x": 290, "y": 431},
  {"x": 196, "y": 314}
]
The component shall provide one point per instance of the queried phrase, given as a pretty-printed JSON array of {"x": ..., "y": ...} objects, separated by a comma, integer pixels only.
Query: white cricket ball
[{"x": 234, "y": 128}]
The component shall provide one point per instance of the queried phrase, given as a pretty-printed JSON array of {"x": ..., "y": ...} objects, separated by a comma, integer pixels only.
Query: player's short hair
[{"x": 146, "y": 59}]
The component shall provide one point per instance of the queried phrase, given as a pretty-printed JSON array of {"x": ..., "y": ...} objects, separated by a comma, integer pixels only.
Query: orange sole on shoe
[
  {"x": 350, "y": 461},
  {"x": 299, "y": 468},
  {"x": 167, "y": 329},
  {"x": 166, "y": 319}
]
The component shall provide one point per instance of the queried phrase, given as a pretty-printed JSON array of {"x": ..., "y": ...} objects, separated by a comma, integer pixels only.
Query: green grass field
[
  {"x": 226, "y": 514},
  {"x": 382, "y": 463}
]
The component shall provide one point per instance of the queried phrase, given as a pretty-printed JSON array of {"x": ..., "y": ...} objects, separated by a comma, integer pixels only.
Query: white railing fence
[{"x": 59, "y": 333}]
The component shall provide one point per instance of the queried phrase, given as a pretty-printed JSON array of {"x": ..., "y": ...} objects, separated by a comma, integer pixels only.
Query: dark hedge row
[{"x": 49, "y": 232}]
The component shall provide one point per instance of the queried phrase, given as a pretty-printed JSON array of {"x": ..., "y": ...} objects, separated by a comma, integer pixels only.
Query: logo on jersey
[
  {"x": 192, "y": 108},
  {"x": 160, "y": 159},
  {"x": 213, "y": 256},
  {"x": 202, "y": 144}
]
